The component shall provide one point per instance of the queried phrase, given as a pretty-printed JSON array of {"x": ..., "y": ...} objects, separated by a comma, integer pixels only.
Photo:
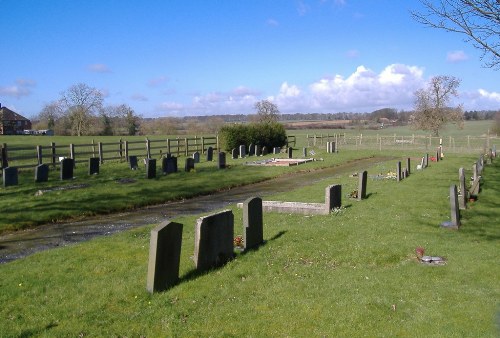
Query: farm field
[{"x": 350, "y": 273}]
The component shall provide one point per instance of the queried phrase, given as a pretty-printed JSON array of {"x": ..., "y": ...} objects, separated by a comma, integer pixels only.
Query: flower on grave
[
  {"x": 419, "y": 251},
  {"x": 238, "y": 241},
  {"x": 353, "y": 194}
]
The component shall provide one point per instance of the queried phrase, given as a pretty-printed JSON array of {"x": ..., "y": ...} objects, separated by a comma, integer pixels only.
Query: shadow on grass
[{"x": 194, "y": 273}]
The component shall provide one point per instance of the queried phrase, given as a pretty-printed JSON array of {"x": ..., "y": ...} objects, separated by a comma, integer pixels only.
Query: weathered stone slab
[
  {"x": 398, "y": 171},
  {"x": 276, "y": 150},
  {"x": 169, "y": 164},
  {"x": 214, "y": 240},
  {"x": 67, "y": 165},
  {"x": 221, "y": 162},
  {"x": 189, "y": 165},
  {"x": 253, "y": 233},
  {"x": 234, "y": 153},
  {"x": 243, "y": 151},
  {"x": 251, "y": 149},
  {"x": 333, "y": 197},
  {"x": 164, "y": 256},
  {"x": 41, "y": 173},
  {"x": 426, "y": 160},
  {"x": 304, "y": 152},
  {"x": 10, "y": 176},
  {"x": 150, "y": 168},
  {"x": 455, "y": 211},
  {"x": 94, "y": 166},
  {"x": 408, "y": 167},
  {"x": 462, "y": 197},
  {"x": 196, "y": 157},
  {"x": 132, "y": 160},
  {"x": 363, "y": 179},
  {"x": 258, "y": 150},
  {"x": 210, "y": 154}
]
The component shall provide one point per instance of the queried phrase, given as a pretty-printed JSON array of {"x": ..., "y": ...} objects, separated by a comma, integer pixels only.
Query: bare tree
[
  {"x": 267, "y": 112},
  {"x": 478, "y": 20},
  {"x": 50, "y": 113},
  {"x": 81, "y": 103},
  {"x": 432, "y": 110}
]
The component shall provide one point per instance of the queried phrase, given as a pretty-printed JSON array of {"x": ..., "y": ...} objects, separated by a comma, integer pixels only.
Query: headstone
[
  {"x": 462, "y": 198},
  {"x": 258, "y": 150},
  {"x": 10, "y": 176},
  {"x": 426, "y": 160},
  {"x": 164, "y": 256},
  {"x": 132, "y": 160},
  {"x": 214, "y": 240},
  {"x": 276, "y": 150},
  {"x": 290, "y": 152},
  {"x": 221, "y": 163},
  {"x": 438, "y": 156},
  {"x": 196, "y": 157},
  {"x": 243, "y": 151},
  {"x": 67, "y": 165},
  {"x": 210, "y": 154},
  {"x": 169, "y": 164},
  {"x": 408, "y": 167},
  {"x": 265, "y": 151},
  {"x": 251, "y": 149},
  {"x": 363, "y": 179},
  {"x": 41, "y": 173},
  {"x": 234, "y": 153},
  {"x": 398, "y": 171},
  {"x": 494, "y": 150},
  {"x": 328, "y": 147},
  {"x": 422, "y": 164},
  {"x": 333, "y": 197},
  {"x": 189, "y": 165},
  {"x": 455, "y": 211},
  {"x": 304, "y": 152},
  {"x": 253, "y": 233},
  {"x": 93, "y": 165},
  {"x": 150, "y": 168},
  {"x": 333, "y": 147},
  {"x": 475, "y": 173}
]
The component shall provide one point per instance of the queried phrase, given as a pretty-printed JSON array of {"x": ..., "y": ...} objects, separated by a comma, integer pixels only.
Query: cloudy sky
[{"x": 186, "y": 57}]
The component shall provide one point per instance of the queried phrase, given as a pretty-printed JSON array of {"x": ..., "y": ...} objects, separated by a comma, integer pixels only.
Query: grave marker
[
  {"x": 210, "y": 154},
  {"x": 221, "y": 163},
  {"x": 426, "y": 160},
  {"x": 251, "y": 149},
  {"x": 41, "y": 173},
  {"x": 164, "y": 256},
  {"x": 150, "y": 168},
  {"x": 67, "y": 165},
  {"x": 304, "y": 152},
  {"x": 408, "y": 167},
  {"x": 214, "y": 240},
  {"x": 333, "y": 197},
  {"x": 363, "y": 178},
  {"x": 234, "y": 153},
  {"x": 132, "y": 160},
  {"x": 455, "y": 211},
  {"x": 242, "y": 151},
  {"x": 258, "y": 150},
  {"x": 189, "y": 165},
  {"x": 462, "y": 197},
  {"x": 264, "y": 151},
  {"x": 290, "y": 152},
  {"x": 94, "y": 166},
  {"x": 398, "y": 171},
  {"x": 10, "y": 176},
  {"x": 276, "y": 150},
  {"x": 252, "y": 223},
  {"x": 196, "y": 157}
]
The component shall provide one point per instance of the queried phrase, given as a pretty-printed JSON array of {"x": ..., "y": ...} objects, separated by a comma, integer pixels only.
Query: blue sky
[{"x": 185, "y": 57}]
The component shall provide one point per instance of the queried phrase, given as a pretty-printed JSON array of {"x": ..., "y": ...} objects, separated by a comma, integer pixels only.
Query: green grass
[{"x": 348, "y": 274}]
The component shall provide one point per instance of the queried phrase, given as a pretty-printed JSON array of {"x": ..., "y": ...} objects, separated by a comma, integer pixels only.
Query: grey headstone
[
  {"x": 455, "y": 211},
  {"x": 475, "y": 173},
  {"x": 93, "y": 165},
  {"x": 462, "y": 201},
  {"x": 258, "y": 150},
  {"x": 151, "y": 168},
  {"x": 328, "y": 147},
  {"x": 235, "y": 153},
  {"x": 221, "y": 163},
  {"x": 304, "y": 152},
  {"x": 422, "y": 163},
  {"x": 164, "y": 256},
  {"x": 189, "y": 165},
  {"x": 41, "y": 173},
  {"x": 276, "y": 150},
  {"x": 290, "y": 152},
  {"x": 333, "y": 197},
  {"x": 253, "y": 232},
  {"x": 10, "y": 176},
  {"x": 169, "y": 165},
  {"x": 210, "y": 154},
  {"x": 438, "y": 157},
  {"x": 196, "y": 157},
  {"x": 408, "y": 166},
  {"x": 251, "y": 149},
  {"x": 67, "y": 165},
  {"x": 243, "y": 152},
  {"x": 132, "y": 160},
  {"x": 333, "y": 147},
  {"x": 264, "y": 151},
  {"x": 494, "y": 150},
  {"x": 363, "y": 179},
  {"x": 426, "y": 160},
  {"x": 398, "y": 171},
  {"x": 214, "y": 240},
  {"x": 164, "y": 161}
]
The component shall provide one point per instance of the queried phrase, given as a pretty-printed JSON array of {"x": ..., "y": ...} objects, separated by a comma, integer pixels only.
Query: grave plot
[{"x": 285, "y": 162}]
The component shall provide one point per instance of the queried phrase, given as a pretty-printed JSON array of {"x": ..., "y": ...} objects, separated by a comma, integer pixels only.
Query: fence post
[
  {"x": 203, "y": 145},
  {"x": 168, "y": 146},
  {"x": 93, "y": 148},
  {"x": 72, "y": 154},
  {"x": 53, "y": 151},
  {"x": 217, "y": 142},
  {"x": 5, "y": 162},
  {"x": 101, "y": 154},
  {"x": 120, "y": 148},
  {"x": 186, "y": 145},
  {"x": 39, "y": 154},
  {"x": 148, "y": 148},
  {"x": 126, "y": 151}
]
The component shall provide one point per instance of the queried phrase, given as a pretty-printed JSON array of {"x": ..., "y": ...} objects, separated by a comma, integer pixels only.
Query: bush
[{"x": 264, "y": 134}]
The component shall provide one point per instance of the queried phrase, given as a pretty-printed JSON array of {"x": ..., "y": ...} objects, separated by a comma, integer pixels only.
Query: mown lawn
[{"x": 353, "y": 273}]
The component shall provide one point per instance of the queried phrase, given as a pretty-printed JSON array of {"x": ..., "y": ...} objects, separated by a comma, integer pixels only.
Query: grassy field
[{"x": 352, "y": 273}]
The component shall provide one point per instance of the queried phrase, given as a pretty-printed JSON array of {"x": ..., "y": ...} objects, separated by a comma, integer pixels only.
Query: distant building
[{"x": 11, "y": 123}]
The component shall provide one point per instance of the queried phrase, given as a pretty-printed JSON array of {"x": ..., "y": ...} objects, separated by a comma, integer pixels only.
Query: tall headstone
[
  {"x": 494, "y": 150},
  {"x": 290, "y": 152},
  {"x": 462, "y": 198},
  {"x": 221, "y": 163},
  {"x": 67, "y": 165},
  {"x": 253, "y": 233},
  {"x": 234, "y": 153},
  {"x": 10, "y": 176},
  {"x": 196, "y": 157},
  {"x": 210, "y": 154},
  {"x": 475, "y": 173},
  {"x": 251, "y": 149},
  {"x": 243, "y": 152},
  {"x": 93, "y": 165},
  {"x": 258, "y": 150},
  {"x": 426, "y": 160},
  {"x": 304, "y": 152},
  {"x": 455, "y": 210},
  {"x": 189, "y": 165},
  {"x": 265, "y": 151},
  {"x": 169, "y": 164},
  {"x": 150, "y": 168},
  {"x": 41, "y": 173},
  {"x": 398, "y": 171},
  {"x": 363, "y": 180},
  {"x": 408, "y": 166},
  {"x": 213, "y": 237},
  {"x": 328, "y": 147},
  {"x": 438, "y": 156},
  {"x": 132, "y": 160},
  {"x": 164, "y": 256},
  {"x": 333, "y": 197},
  {"x": 333, "y": 147}
]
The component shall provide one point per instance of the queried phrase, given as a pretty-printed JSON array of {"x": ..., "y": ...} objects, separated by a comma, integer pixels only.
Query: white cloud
[
  {"x": 98, "y": 68},
  {"x": 456, "y": 56},
  {"x": 480, "y": 99},
  {"x": 21, "y": 88}
]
